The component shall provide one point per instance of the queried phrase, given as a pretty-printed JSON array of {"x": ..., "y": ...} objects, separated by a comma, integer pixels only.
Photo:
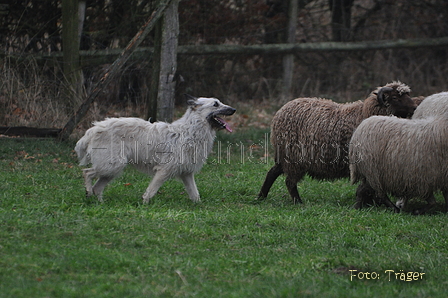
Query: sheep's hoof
[
  {"x": 260, "y": 197},
  {"x": 258, "y": 200},
  {"x": 357, "y": 205},
  {"x": 424, "y": 209},
  {"x": 418, "y": 212},
  {"x": 297, "y": 201}
]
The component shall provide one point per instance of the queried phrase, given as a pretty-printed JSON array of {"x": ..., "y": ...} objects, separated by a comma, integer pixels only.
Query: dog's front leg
[
  {"x": 159, "y": 178},
  {"x": 88, "y": 175},
  {"x": 190, "y": 186}
]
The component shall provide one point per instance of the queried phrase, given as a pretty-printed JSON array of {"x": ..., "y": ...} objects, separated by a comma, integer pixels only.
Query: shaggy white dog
[{"x": 160, "y": 149}]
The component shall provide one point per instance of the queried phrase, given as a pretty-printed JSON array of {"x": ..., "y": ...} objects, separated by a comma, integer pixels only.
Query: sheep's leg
[
  {"x": 431, "y": 203},
  {"x": 291, "y": 184},
  {"x": 365, "y": 195},
  {"x": 271, "y": 176},
  {"x": 445, "y": 195},
  {"x": 386, "y": 201},
  {"x": 159, "y": 178},
  {"x": 191, "y": 188},
  {"x": 99, "y": 187},
  {"x": 88, "y": 174}
]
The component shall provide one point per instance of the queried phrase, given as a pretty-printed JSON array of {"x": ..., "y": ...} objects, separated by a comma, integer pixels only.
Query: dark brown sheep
[{"x": 311, "y": 135}]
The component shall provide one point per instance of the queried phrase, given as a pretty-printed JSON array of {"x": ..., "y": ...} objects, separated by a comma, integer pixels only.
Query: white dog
[{"x": 160, "y": 149}]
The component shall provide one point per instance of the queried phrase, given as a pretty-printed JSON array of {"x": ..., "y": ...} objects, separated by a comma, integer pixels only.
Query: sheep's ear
[{"x": 191, "y": 100}]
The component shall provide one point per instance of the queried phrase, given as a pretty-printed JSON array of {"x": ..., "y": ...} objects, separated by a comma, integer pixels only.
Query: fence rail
[{"x": 109, "y": 55}]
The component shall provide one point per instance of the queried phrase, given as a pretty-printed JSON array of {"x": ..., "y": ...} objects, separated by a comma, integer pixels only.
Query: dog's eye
[{"x": 216, "y": 104}]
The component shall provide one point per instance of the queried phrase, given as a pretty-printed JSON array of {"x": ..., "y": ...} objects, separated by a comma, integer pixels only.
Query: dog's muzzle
[{"x": 217, "y": 122}]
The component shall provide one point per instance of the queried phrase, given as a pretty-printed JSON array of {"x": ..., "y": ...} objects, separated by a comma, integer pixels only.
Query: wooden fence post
[
  {"x": 161, "y": 102},
  {"x": 113, "y": 69}
]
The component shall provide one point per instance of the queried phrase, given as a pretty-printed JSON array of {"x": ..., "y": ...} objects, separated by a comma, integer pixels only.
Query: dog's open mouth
[
  {"x": 223, "y": 124},
  {"x": 219, "y": 123}
]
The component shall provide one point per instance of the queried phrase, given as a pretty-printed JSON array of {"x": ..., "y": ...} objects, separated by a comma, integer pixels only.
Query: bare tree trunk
[
  {"x": 154, "y": 84},
  {"x": 288, "y": 60},
  {"x": 341, "y": 19},
  {"x": 81, "y": 17},
  {"x": 70, "y": 47}
]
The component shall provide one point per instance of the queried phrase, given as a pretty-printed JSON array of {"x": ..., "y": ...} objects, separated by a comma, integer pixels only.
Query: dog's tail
[{"x": 82, "y": 149}]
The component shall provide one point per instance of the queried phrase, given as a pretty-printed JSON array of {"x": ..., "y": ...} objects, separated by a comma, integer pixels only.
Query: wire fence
[{"x": 31, "y": 91}]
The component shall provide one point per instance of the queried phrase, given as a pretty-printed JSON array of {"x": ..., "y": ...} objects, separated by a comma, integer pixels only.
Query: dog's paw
[
  {"x": 145, "y": 200},
  {"x": 196, "y": 200}
]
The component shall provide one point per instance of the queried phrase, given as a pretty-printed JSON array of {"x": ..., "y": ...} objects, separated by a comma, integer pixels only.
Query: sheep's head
[{"x": 395, "y": 96}]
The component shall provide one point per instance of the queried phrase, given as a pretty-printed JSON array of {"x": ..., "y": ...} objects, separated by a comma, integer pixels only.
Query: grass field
[{"x": 54, "y": 242}]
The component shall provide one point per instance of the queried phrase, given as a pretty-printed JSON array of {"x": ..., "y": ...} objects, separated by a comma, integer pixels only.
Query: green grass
[{"x": 54, "y": 242}]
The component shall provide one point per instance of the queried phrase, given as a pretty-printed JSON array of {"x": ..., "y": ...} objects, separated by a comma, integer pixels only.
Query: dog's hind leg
[
  {"x": 159, "y": 178},
  {"x": 100, "y": 185},
  {"x": 88, "y": 175},
  {"x": 190, "y": 186}
]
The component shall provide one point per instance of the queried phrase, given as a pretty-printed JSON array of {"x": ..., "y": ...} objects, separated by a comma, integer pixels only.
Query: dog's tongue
[
  {"x": 229, "y": 129},
  {"x": 226, "y": 125}
]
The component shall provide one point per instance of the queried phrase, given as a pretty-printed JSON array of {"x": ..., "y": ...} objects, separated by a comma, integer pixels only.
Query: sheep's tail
[
  {"x": 354, "y": 177},
  {"x": 81, "y": 149}
]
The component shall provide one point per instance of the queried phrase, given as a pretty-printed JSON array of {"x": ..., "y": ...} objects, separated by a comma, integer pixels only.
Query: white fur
[
  {"x": 161, "y": 150},
  {"x": 433, "y": 105}
]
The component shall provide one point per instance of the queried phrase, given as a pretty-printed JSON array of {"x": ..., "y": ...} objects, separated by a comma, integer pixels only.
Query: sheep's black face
[
  {"x": 395, "y": 96},
  {"x": 401, "y": 105}
]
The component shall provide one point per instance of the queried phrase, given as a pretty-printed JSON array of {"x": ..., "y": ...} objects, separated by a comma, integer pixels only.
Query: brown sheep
[{"x": 311, "y": 135}]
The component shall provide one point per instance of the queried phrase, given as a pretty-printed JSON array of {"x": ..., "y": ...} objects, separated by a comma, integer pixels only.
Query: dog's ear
[{"x": 191, "y": 100}]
